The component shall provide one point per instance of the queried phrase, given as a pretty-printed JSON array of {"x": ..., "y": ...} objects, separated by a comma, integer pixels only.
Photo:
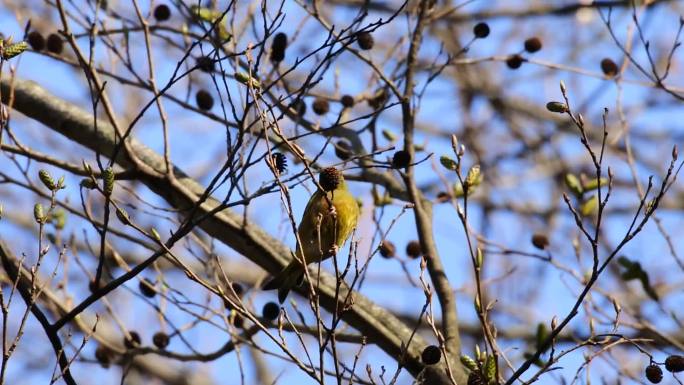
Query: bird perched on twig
[{"x": 322, "y": 231}]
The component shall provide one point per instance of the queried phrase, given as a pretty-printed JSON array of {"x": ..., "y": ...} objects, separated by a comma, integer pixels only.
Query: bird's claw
[{"x": 334, "y": 249}]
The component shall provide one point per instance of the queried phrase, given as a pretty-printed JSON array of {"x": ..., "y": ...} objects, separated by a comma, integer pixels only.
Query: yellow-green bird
[{"x": 335, "y": 227}]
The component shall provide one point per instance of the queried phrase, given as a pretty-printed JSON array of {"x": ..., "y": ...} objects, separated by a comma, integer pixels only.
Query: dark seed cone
[
  {"x": 481, "y": 30},
  {"x": 279, "y": 41},
  {"x": 162, "y": 12},
  {"x": 654, "y": 374},
  {"x": 205, "y": 64},
  {"x": 270, "y": 311},
  {"x": 55, "y": 43},
  {"x": 540, "y": 241},
  {"x": 36, "y": 40},
  {"x": 431, "y": 355},
  {"x": 320, "y": 106},
  {"x": 401, "y": 159},
  {"x": 609, "y": 67},
  {"x": 365, "y": 40},
  {"x": 280, "y": 162},
  {"x": 347, "y": 101},
  {"x": 160, "y": 340},
  {"x": 674, "y": 363},
  {"x": 278, "y": 47},
  {"x": 514, "y": 61},
  {"x": 414, "y": 250},
  {"x": 330, "y": 178},
  {"x": 204, "y": 100},
  {"x": 387, "y": 249},
  {"x": 533, "y": 45}
]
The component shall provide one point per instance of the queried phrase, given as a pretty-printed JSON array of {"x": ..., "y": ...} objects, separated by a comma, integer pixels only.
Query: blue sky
[{"x": 199, "y": 144}]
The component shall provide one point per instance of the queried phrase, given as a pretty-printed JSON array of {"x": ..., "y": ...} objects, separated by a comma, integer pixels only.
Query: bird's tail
[{"x": 284, "y": 281}]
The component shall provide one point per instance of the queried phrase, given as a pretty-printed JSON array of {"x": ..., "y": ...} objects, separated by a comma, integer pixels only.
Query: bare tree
[{"x": 515, "y": 164}]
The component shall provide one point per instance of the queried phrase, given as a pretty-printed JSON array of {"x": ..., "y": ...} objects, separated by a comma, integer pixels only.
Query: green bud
[
  {"x": 87, "y": 167},
  {"x": 473, "y": 179},
  {"x": 469, "y": 363},
  {"x": 38, "y": 213},
  {"x": 88, "y": 183},
  {"x": 479, "y": 258},
  {"x": 60, "y": 183},
  {"x": 108, "y": 181},
  {"x": 13, "y": 50},
  {"x": 155, "y": 234},
  {"x": 123, "y": 216},
  {"x": 557, "y": 107},
  {"x": 47, "y": 180},
  {"x": 246, "y": 79},
  {"x": 490, "y": 368},
  {"x": 448, "y": 163},
  {"x": 1, "y": 210}
]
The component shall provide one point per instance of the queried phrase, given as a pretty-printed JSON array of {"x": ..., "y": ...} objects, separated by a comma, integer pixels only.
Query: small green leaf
[
  {"x": 593, "y": 184},
  {"x": 123, "y": 217},
  {"x": 155, "y": 234},
  {"x": 557, "y": 107},
  {"x": 247, "y": 80},
  {"x": 47, "y": 180},
  {"x": 38, "y": 213},
  {"x": 448, "y": 163},
  {"x": 542, "y": 334},
  {"x": 589, "y": 206},
  {"x": 573, "y": 184},
  {"x": 633, "y": 270}
]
